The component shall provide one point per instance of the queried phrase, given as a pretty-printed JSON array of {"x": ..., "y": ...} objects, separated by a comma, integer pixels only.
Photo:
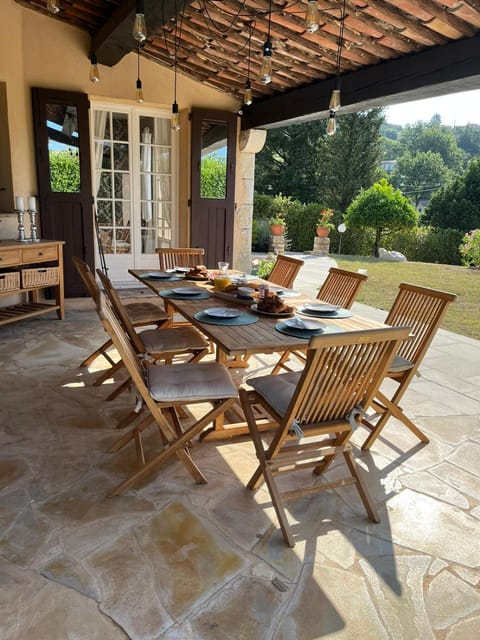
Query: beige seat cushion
[
  {"x": 180, "y": 339},
  {"x": 276, "y": 390},
  {"x": 143, "y": 312},
  {"x": 184, "y": 383},
  {"x": 399, "y": 364}
]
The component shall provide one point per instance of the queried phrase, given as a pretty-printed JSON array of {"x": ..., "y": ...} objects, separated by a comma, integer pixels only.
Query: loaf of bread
[
  {"x": 273, "y": 304},
  {"x": 200, "y": 271}
]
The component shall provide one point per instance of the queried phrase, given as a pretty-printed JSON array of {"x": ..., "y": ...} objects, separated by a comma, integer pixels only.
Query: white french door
[{"x": 134, "y": 181}]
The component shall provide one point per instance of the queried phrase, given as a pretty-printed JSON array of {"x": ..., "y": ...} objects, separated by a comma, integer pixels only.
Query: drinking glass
[{"x": 223, "y": 267}]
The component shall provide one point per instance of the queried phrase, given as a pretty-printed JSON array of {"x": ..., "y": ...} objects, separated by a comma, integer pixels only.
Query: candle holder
[
  {"x": 21, "y": 227},
  {"x": 33, "y": 226}
]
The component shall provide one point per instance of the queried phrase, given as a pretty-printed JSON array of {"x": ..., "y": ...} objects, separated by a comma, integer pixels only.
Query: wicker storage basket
[
  {"x": 9, "y": 281},
  {"x": 40, "y": 277}
]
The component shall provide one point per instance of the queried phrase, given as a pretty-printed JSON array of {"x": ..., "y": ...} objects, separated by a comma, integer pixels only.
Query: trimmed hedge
[{"x": 420, "y": 244}]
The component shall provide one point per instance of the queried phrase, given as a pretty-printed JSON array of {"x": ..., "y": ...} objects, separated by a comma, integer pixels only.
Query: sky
[{"x": 454, "y": 109}]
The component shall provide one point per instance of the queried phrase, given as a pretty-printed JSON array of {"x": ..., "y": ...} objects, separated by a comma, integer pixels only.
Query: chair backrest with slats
[
  {"x": 342, "y": 371},
  {"x": 126, "y": 351},
  {"x": 121, "y": 313},
  {"x": 88, "y": 278},
  {"x": 285, "y": 271},
  {"x": 170, "y": 258},
  {"x": 341, "y": 287},
  {"x": 422, "y": 310}
]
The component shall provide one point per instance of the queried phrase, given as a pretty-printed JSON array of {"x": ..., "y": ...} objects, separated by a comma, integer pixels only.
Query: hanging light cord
[
  {"x": 138, "y": 62},
  {"x": 341, "y": 38}
]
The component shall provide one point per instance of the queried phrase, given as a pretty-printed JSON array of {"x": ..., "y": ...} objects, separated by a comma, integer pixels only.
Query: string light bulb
[
  {"x": 52, "y": 6},
  {"x": 94, "y": 73},
  {"x": 331, "y": 124},
  {"x": 312, "y": 17},
  {"x": 139, "y": 89},
  {"x": 247, "y": 97},
  {"x": 175, "y": 121},
  {"x": 335, "y": 99},
  {"x": 139, "y": 27},
  {"x": 266, "y": 70}
]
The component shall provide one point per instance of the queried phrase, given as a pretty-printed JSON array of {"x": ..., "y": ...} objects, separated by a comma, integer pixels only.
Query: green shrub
[
  {"x": 427, "y": 244},
  {"x": 260, "y": 235},
  {"x": 470, "y": 248}
]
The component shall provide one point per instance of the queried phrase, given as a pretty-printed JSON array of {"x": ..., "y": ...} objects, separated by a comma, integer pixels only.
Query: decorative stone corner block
[{"x": 321, "y": 246}]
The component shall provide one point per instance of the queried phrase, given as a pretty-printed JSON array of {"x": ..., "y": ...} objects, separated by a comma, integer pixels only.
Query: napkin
[{"x": 303, "y": 323}]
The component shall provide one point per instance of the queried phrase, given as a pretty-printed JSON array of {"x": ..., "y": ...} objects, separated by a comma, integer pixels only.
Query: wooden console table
[{"x": 28, "y": 268}]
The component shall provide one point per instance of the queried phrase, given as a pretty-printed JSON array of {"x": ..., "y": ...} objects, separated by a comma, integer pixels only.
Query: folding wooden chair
[
  {"x": 422, "y": 310},
  {"x": 285, "y": 271},
  {"x": 141, "y": 314},
  {"x": 316, "y": 411},
  {"x": 171, "y": 258},
  {"x": 154, "y": 344},
  {"x": 341, "y": 287},
  {"x": 165, "y": 388}
]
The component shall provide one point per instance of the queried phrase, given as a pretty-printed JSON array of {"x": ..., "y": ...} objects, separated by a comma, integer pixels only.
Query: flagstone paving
[{"x": 172, "y": 560}]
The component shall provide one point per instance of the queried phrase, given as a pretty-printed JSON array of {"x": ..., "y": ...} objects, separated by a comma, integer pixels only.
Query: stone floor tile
[
  {"x": 449, "y": 600},
  {"x": 419, "y": 522},
  {"x": 71, "y": 573},
  {"x": 33, "y": 608},
  {"x": 243, "y": 610},
  {"x": 424, "y": 482},
  {"x": 402, "y": 611},
  {"x": 322, "y": 607},
  {"x": 190, "y": 561},
  {"x": 452, "y": 429},
  {"x": 467, "y": 457},
  {"x": 466, "y": 630},
  {"x": 472, "y": 576},
  {"x": 462, "y": 480},
  {"x": 128, "y": 582}
]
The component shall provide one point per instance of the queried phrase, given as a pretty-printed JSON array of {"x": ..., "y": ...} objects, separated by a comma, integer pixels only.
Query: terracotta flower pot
[
  {"x": 323, "y": 232},
  {"x": 277, "y": 229}
]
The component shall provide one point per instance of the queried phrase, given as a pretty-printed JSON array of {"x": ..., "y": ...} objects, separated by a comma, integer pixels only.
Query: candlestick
[
  {"x": 21, "y": 227},
  {"x": 19, "y": 206},
  {"x": 32, "y": 205},
  {"x": 33, "y": 224}
]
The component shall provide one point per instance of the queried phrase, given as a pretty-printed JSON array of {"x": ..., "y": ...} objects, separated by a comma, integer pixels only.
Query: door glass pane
[
  {"x": 120, "y": 156},
  {"x": 120, "y": 126},
  {"x": 63, "y": 148},
  {"x": 155, "y": 183},
  {"x": 113, "y": 181},
  {"x": 213, "y": 166}
]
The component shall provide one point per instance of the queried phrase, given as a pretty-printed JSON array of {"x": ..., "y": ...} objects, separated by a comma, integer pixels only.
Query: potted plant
[
  {"x": 277, "y": 224},
  {"x": 323, "y": 224}
]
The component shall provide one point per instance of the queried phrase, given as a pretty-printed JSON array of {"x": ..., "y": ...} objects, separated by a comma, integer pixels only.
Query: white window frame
[{"x": 118, "y": 264}]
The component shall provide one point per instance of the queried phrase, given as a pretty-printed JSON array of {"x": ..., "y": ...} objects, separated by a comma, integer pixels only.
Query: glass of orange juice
[{"x": 221, "y": 281}]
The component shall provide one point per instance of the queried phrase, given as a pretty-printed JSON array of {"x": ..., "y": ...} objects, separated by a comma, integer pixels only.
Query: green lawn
[{"x": 381, "y": 288}]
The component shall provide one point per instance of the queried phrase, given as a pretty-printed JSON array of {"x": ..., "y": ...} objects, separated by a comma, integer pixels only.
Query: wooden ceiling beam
[
  {"x": 114, "y": 38},
  {"x": 453, "y": 67}
]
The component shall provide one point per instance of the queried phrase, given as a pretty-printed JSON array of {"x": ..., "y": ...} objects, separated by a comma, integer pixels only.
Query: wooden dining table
[
  {"x": 247, "y": 340},
  {"x": 235, "y": 344}
]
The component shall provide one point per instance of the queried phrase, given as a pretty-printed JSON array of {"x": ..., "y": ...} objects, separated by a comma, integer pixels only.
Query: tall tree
[
  {"x": 287, "y": 163},
  {"x": 299, "y": 161},
  {"x": 457, "y": 206},
  {"x": 420, "y": 174},
  {"x": 432, "y": 136},
  {"x": 351, "y": 158}
]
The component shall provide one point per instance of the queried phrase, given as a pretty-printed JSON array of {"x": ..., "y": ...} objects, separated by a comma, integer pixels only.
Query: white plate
[
  {"x": 182, "y": 269},
  {"x": 159, "y": 275},
  {"x": 223, "y": 312},
  {"x": 187, "y": 291},
  {"x": 304, "y": 324},
  {"x": 320, "y": 308}
]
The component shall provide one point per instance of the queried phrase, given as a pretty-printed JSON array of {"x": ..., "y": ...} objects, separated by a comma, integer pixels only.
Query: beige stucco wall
[{"x": 37, "y": 50}]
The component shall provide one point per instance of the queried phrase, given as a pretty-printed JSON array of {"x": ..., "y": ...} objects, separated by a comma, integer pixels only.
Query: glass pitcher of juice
[{"x": 221, "y": 281}]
